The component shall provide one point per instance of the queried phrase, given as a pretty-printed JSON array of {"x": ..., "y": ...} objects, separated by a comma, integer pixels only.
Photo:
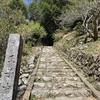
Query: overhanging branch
[{"x": 88, "y": 31}]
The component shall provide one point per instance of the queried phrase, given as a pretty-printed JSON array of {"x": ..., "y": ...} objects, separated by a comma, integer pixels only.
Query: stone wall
[
  {"x": 25, "y": 74},
  {"x": 89, "y": 63}
]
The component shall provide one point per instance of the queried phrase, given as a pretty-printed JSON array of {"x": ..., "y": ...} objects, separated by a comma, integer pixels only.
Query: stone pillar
[{"x": 11, "y": 70}]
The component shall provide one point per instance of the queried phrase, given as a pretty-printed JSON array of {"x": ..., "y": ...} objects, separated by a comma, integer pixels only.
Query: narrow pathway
[{"x": 55, "y": 80}]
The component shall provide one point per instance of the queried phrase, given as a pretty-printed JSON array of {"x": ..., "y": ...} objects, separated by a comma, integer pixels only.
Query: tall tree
[
  {"x": 84, "y": 11},
  {"x": 47, "y": 11},
  {"x": 35, "y": 12},
  {"x": 10, "y": 18},
  {"x": 19, "y": 5}
]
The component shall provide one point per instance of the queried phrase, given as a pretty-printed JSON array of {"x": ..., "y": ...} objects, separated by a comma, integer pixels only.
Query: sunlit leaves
[
  {"x": 31, "y": 29},
  {"x": 19, "y": 5}
]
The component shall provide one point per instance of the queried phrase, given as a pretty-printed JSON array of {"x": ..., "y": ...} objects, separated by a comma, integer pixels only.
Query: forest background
[{"x": 41, "y": 22}]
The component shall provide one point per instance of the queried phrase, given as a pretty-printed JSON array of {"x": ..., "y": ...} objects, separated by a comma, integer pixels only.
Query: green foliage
[
  {"x": 32, "y": 97},
  {"x": 25, "y": 30},
  {"x": 19, "y": 5},
  {"x": 35, "y": 12},
  {"x": 50, "y": 95},
  {"x": 30, "y": 44},
  {"x": 31, "y": 33},
  {"x": 91, "y": 79},
  {"x": 55, "y": 11},
  {"x": 70, "y": 7},
  {"x": 66, "y": 29},
  {"x": 6, "y": 26},
  {"x": 49, "y": 10},
  {"x": 1, "y": 64},
  {"x": 78, "y": 27},
  {"x": 10, "y": 19},
  {"x": 58, "y": 36},
  {"x": 97, "y": 87},
  {"x": 38, "y": 31},
  {"x": 46, "y": 8},
  {"x": 91, "y": 26},
  {"x": 5, "y": 29}
]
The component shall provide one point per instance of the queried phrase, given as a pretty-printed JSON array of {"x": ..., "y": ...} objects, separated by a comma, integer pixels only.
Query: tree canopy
[{"x": 48, "y": 16}]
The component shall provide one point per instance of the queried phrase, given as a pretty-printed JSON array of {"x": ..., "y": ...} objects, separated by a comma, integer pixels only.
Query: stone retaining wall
[
  {"x": 25, "y": 74},
  {"x": 89, "y": 63}
]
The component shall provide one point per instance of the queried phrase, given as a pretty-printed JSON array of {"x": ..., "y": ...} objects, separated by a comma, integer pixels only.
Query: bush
[
  {"x": 91, "y": 26},
  {"x": 25, "y": 29},
  {"x": 31, "y": 33},
  {"x": 38, "y": 31},
  {"x": 78, "y": 27},
  {"x": 1, "y": 64},
  {"x": 66, "y": 29},
  {"x": 57, "y": 36},
  {"x": 6, "y": 28}
]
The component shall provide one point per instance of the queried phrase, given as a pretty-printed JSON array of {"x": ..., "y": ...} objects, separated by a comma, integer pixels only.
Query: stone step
[
  {"x": 60, "y": 84},
  {"x": 52, "y": 61},
  {"x": 55, "y": 74},
  {"x": 70, "y": 93},
  {"x": 58, "y": 78},
  {"x": 52, "y": 74},
  {"x": 54, "y": 70},
  {"x": 66, "y": 98},
  {"x": 53, "y": 66},
  {"x": 55, "y": 80}
]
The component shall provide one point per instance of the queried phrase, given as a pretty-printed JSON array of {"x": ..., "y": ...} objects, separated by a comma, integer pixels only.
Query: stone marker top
[{"x": 11, "y": 68}]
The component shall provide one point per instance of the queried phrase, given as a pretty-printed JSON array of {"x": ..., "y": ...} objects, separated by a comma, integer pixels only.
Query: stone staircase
[{"x": 55, "y": 80}]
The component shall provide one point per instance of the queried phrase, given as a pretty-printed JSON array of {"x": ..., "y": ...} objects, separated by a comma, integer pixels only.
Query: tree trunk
[
  {"x": 96, "y": 27},
  {"x": 85, "y": 25}
]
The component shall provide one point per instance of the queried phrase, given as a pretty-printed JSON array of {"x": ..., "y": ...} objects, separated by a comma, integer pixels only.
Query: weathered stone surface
[
  {"x": 0, "y": 81},
  {"x": 31, "y": 60},
  {"x": 28, "y": 71},
  {"x": 20, "y": 93},
  {"x": 60, "y": 78},
  {"x": 11, "y": 68},
  {"x": 85, "y": 92},
  {"x": 73, "y": 78},
  {"x": 21, "y": 71},
  {"x": 49, "y": 85},
  {"x": 31, "y": 66},
  {"x": 58, "y": 85},
  {"x": 78, "y": 84},
  {"x": 54, "y": 92},
  {"x": 89, "y": 63},
  {"x": 41, "y": 85},
  {"x": 42, "y": 59},
  {"x": 23, "y": 87},
  {"x": 69, "y": 92},
  {"x": 42, "y": 65},
  {"x": 20, "y": 82},
  {"x": 40, "y": 93},
  {"x": 95, "y": 57},
  {"x": 99, "y": 70},
  {"x": 47, "y": 78},
  {"x": 24, "y": 75},
  {"x": 25, "y": 80},
  {"x": 55, "y": 80},
  {"x": 66, "y": 98}
]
